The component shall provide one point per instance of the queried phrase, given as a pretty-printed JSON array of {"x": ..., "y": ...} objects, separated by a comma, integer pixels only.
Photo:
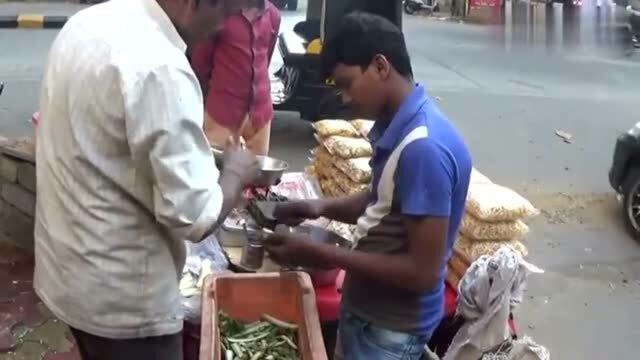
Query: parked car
[
  {"x": 633, "y": 11},
  {"x": 624, "y": 177}
]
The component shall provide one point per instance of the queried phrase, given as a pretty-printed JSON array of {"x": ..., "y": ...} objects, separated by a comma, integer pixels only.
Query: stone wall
[{"x": 17, "y": 190}]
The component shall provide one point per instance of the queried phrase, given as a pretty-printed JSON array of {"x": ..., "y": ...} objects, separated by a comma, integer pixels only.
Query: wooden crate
[{"x": 246, "y": 297}]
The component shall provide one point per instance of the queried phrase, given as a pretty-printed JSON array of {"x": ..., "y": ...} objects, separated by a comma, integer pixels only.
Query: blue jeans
[{"x": 361, "y": 340}]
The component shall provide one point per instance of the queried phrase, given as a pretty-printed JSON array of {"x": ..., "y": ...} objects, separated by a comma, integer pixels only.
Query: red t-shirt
[{"x": 233, "y": 68}]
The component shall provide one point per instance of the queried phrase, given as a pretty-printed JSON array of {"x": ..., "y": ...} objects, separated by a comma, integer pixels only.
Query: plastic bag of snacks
[
  {"x": 347, "y": 185},
  {"x": 326, "y": 128},
  {"x": 330, "y": 188},
  {"x": 357, "y": 169},
  {"x": 491, "y": 202},
  {"x": 474, "y": 249},
  {"x": 348, "y": 148},
  {"x": 363, "y": 126},
  {"x": 478, "y": 178},
  {"x": 347, "y": 231},
  {"x": 477, "y": 229}
]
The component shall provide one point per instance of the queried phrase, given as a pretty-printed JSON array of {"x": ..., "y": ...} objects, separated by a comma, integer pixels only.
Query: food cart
[
  {"x": 322, "y": 291},
  {"x": 339, "y": 166}
]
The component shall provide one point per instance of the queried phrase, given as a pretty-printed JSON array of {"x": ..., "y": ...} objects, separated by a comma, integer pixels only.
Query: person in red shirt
[{"x": 233, "y": 70}]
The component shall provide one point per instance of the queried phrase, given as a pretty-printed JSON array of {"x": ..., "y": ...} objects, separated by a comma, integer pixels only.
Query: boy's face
[{"x": 363, "y": 90}]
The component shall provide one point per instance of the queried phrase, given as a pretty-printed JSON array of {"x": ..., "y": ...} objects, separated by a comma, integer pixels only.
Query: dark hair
[{"x": 359, "y": 38}]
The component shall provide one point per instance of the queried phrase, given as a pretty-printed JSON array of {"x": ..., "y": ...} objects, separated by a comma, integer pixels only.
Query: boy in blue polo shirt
[{"x": 393, "y": 295}]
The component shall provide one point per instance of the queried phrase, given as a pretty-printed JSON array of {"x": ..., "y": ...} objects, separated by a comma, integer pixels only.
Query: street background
[{"x": 508, "y": 87}]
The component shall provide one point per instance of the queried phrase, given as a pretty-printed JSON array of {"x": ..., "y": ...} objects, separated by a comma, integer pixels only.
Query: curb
[{"x": 32, "y": 21}]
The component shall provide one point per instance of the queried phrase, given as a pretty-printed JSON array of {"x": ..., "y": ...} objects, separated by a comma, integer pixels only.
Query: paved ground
[{"x": 508, "y": 87}]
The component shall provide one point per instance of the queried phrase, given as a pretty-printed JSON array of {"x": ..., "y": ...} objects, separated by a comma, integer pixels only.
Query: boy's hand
[
  {"x": 292, "y": 213},
  {"x": 293, "y": 249}
]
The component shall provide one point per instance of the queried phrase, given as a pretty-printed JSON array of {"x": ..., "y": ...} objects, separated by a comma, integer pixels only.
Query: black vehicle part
[
  {"x": 331, "y": 106},
  {"x": 304, "y": 89},
  {"x": 410, "y": 7},
  {"x": 634, "y": 19},
  {"x": 308, "y": 29},
  {"x": 631, "y": 202},
  {"x": 624, "y": 157},
  {"x": 280, "y": 4},
  {"x": 336, "y": 9}
]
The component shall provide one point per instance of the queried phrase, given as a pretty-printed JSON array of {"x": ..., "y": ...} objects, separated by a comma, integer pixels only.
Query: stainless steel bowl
[{"x": 271, "y": 169}]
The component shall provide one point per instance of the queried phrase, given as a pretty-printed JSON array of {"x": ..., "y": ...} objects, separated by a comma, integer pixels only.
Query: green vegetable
[
  {"x": 279, "y": 323},
  {"x": 237, "y": 349},
  {"x": 270, "y": 339},
  {"x": 228, "y": 355},
  {"x": 244, "y": 340}
]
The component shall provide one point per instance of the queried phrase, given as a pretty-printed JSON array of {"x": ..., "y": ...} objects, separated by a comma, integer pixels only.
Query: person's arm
[
  {"x": 202, "y": 56},
  {"x": 424, "y": 184},
  {"x": 346, "y": 209},
  {"x": 164, "y": 129},
  {"x": 275, "y": 20},
  {"x": 418, "y": 270}
]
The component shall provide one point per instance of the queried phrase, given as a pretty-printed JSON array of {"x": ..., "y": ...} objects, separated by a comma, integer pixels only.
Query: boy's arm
[
  {"x": 418, "y": 270},
  {"x": 346, "y": 209},
  {"x": 424, "y": 184}
]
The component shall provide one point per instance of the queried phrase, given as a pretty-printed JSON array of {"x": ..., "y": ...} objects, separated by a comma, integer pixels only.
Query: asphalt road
[{"x": 509, "y": 88}]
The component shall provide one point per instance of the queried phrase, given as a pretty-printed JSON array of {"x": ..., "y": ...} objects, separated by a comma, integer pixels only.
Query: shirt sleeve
[
  {"x": 202, "y": 62},
  {"x": 164, "y": 115},
  {"x": 424, "y": 180}
]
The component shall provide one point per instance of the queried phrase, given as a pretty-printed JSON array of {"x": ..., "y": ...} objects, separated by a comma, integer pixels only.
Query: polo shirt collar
[{"x": 388, "y": 135}]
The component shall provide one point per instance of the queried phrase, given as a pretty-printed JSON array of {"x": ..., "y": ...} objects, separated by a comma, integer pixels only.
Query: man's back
[{"x": 107, "y": 254}]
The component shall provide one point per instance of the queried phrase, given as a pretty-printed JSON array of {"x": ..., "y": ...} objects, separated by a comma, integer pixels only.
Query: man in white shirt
[{"x": 125, "y": 174}]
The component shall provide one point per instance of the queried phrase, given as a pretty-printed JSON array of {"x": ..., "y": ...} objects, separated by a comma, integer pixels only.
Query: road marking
[{"x": 30, "y": 21}]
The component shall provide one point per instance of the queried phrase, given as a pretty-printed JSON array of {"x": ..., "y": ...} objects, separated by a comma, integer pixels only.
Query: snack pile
[
  {"x": 494, "y": 216},
  {"x": 341, "y": 160}
]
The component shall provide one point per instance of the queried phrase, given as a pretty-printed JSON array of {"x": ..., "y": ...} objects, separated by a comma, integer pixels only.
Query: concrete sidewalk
[{"x": 36, "y": 15}]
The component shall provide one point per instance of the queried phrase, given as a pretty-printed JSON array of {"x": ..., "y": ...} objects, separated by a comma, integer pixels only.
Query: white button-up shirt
[{"x": 125, "y": 173}]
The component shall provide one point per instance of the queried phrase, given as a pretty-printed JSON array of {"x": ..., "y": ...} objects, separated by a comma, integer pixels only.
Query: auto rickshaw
[{"x": 299, "y": 84}]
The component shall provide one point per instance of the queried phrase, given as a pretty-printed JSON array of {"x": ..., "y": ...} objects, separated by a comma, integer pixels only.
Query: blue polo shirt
[{"x": 421, "y": 168}]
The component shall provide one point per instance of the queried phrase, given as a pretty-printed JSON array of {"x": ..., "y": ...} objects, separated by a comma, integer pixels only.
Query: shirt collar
[
  {"x": 387, "y": 135},
  {"x": 157, "y": 14}
]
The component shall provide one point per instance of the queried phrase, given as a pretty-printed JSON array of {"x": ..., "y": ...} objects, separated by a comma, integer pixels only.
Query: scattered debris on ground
[{"x": 565, "y": 136}]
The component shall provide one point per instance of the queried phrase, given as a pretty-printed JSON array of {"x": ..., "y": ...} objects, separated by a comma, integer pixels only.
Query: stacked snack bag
[
  {"x": 494, "y": 216},
  {"x": 341, "y": 161}
]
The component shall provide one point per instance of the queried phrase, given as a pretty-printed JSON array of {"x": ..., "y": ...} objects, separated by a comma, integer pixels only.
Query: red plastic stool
[{"x": 328, "y": 300}]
